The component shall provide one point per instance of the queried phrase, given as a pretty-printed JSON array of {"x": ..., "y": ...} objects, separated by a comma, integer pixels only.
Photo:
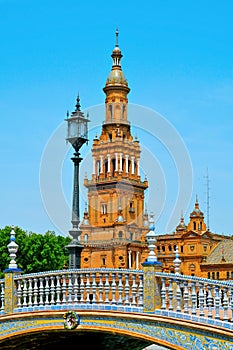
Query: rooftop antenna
[{"x": 207, "y": 199}]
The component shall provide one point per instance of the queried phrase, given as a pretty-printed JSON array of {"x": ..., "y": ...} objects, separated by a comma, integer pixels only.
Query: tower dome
[{"x": 116, "y": 77}]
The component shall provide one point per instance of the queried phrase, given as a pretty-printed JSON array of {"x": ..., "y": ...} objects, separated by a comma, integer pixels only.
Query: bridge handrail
[
  {"x": 180, "y": 277},
  {"x": 87, "y": 288},
  {"x": 196, "y": 297},
  {"x": 124, "y": 290},
  {"x": 84, "y": 270}
]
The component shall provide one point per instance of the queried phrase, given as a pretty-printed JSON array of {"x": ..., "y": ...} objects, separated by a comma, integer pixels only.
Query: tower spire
[
  {"x": 116, "y": 89},
  {"x": 77, "y": 106},
  {"x": 197, "y": 204},
  {"x": 117, "y": 34}
]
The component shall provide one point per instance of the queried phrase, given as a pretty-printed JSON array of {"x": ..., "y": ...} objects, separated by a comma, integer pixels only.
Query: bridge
[{"x": 170, "y": 309}]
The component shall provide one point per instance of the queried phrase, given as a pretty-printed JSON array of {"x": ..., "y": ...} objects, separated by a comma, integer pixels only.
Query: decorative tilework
[
  {"x": 181, "y": 336},
  {"x": 176, "y": 335},
  {"x": 151, "y": 291}
]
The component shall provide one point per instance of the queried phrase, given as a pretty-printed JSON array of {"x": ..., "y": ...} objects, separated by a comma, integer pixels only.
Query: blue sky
[{"x": 178, "y": 60}]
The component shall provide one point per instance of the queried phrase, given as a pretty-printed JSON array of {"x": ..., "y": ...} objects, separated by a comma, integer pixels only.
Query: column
[
  {"x": 127, "y": 163},
  {"x": 137, "y": 260},
  {"x": 109, "y": 158},
  {"x": 132, "y": 169},
  {"x": 116, "y": 155},
  {"x": 130, "y": 259},
  {"x": 138, "y": 166},
  {"x": 120, "y": 162},
  {"x": 93, "y": 160},
  {"x": 101, "y": 164}
]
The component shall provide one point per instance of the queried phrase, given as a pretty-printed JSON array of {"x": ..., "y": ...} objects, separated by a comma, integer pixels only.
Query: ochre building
[{"x": 115, "y": 222}]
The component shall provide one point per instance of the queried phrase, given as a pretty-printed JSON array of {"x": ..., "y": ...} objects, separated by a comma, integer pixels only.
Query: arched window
[
  {"x": 110, "y": 111},
  {"x": 194, "y": 225},
  {"x": 120, "y": 234},
  {"x": 117, "y": 112},
  {"x": 86, "y": 238}
]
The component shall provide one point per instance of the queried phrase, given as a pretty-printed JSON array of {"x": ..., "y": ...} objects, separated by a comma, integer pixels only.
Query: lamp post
[{"x": 77, "y": 131}]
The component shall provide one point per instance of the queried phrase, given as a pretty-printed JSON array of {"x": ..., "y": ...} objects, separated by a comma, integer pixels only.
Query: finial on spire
[
  {"x": 78, "y": 103},
  {"x": 197, "y": 203},
  {"x": 117, "y": 33}
]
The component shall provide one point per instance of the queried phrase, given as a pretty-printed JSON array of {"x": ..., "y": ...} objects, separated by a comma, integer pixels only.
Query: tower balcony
[
  {"x": 116, "y": 121},
  {"x": 105, "y": 182}
]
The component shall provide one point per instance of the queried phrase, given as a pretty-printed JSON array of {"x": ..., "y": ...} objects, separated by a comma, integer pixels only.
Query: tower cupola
[
  {"x": 116, "y": 77},
  {"x": 196, "y": 222},
  {"x": 116, "y": 90}
]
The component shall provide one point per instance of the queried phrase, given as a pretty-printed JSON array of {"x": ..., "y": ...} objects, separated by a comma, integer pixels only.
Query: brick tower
[{"x": 115, "y": 223}]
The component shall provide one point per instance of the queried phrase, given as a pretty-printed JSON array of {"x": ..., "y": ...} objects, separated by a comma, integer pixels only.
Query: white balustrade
[
  {"x": 121, "y": 289},
  {"x": 80, "y": 287},
  {"x": 196, "y": 296}
]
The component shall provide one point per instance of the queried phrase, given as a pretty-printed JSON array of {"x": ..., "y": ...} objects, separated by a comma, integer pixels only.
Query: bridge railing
[
  {"x": 84, "y": 288},
  {"x": 186, "y": 297},
  {"x": 190, "y": 295}
]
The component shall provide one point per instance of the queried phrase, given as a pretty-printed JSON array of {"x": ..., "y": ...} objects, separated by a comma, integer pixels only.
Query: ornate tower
[
  {"x": 115, "y": 224},
  {"x": 196, "y": 222}
]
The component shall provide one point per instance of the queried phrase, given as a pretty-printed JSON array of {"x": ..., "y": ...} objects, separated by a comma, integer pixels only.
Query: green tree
[{"x": 36, "y": 252}]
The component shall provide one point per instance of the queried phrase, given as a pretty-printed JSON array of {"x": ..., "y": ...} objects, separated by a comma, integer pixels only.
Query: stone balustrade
[
  {"x": 184, "y": 297},
  {"x": 196, "y": 296},
  {"x": 83, "y": 288}
]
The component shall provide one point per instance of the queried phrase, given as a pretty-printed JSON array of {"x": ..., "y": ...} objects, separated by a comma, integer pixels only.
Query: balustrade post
[
  {"x": 152, "y": 284},
  {"x": 10, "y": 301}
]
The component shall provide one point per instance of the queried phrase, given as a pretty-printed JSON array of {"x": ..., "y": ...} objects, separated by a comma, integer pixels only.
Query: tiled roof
[{"x": 223, "y": 249}]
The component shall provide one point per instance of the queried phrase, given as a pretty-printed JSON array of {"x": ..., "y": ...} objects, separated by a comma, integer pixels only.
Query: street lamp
[{"x": 77, "y": 131}]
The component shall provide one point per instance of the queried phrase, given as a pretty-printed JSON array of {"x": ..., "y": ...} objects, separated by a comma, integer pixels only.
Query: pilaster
[
  {"x": 151, "y": 286},
  {"x": 10, "y": 300}
]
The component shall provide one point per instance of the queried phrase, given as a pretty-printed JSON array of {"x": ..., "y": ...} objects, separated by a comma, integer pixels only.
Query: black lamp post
[{"x": 77, "y": 131}]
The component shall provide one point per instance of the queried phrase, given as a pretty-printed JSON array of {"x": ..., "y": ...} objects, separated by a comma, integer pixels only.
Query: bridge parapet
[
  {"x": 183, "y": 297},
  {"x": 108, "y": 289},
  {"x": 196, "y": 296}
]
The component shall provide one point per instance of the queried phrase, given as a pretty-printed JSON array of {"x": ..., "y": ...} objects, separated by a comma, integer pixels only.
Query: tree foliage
[{"x": 36, "y": 252}]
